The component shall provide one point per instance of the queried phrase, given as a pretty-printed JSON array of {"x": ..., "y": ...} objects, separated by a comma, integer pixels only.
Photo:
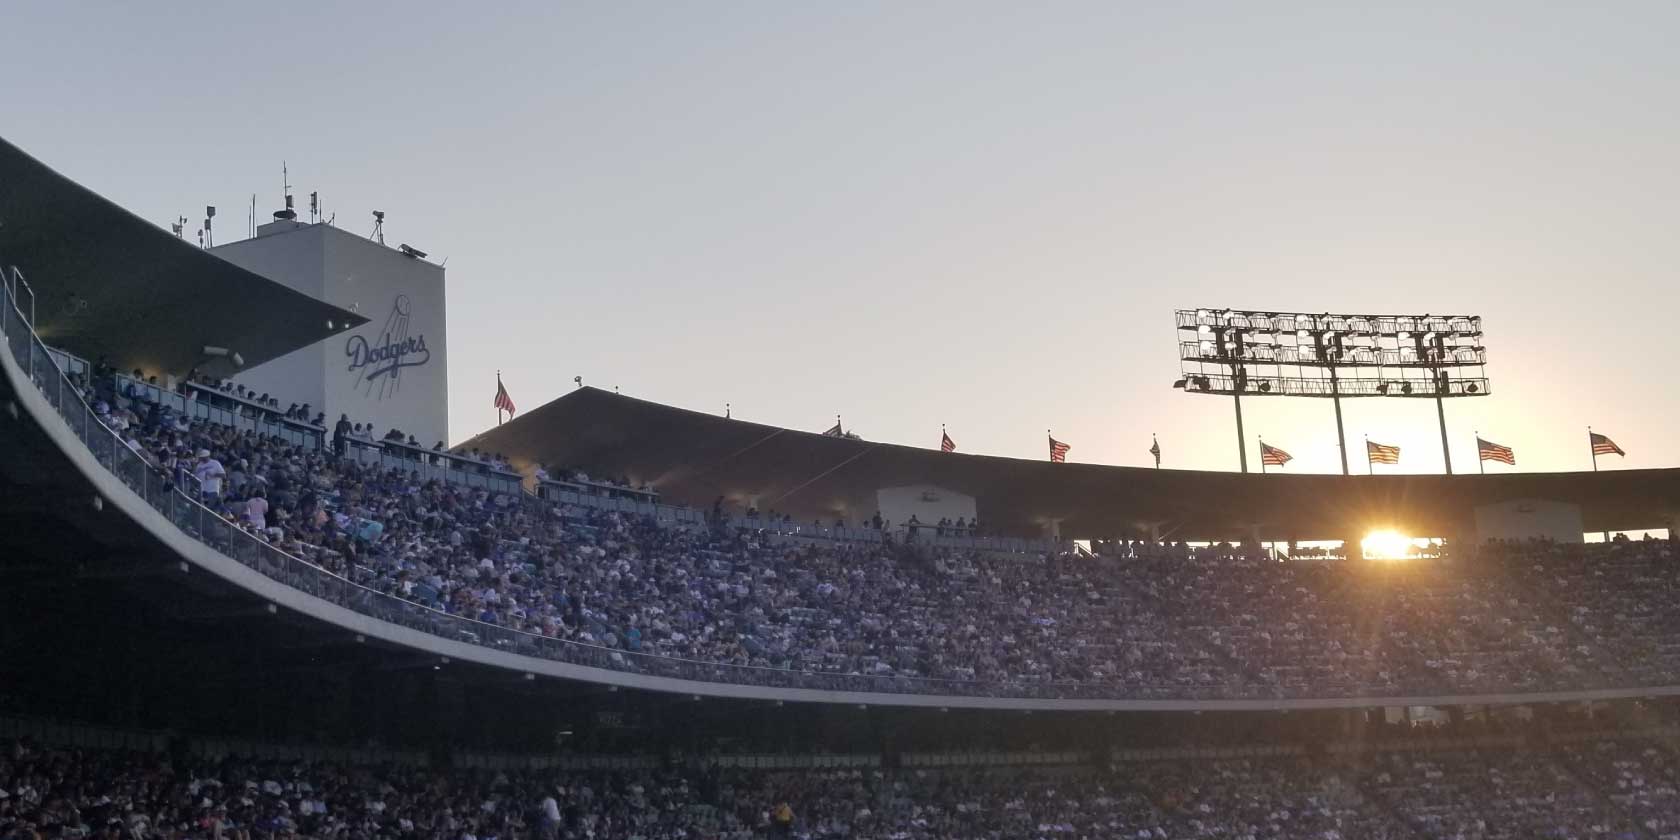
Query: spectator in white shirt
[
  {"x": 209, "y": 473},
  {"x": 256, "y": 510}
]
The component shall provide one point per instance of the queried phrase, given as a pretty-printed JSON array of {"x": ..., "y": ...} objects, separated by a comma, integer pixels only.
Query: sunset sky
[{"x": 981, "y": 215}]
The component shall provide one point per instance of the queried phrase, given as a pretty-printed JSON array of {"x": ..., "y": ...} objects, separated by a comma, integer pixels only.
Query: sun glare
[{"x": 1388, "y": 545}]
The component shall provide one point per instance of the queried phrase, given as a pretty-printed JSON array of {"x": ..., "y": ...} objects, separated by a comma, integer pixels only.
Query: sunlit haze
[{"x": 981, "y": 215}]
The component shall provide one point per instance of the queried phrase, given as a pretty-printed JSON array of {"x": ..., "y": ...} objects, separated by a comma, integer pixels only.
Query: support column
[
  {"x": 1242, "y": 444},
  {"x": 1441, "y": 413},
  {"x": 1341, "y": 436}
]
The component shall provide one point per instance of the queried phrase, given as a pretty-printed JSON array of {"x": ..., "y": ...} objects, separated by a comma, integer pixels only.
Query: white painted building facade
[{"x": 392, "y": 371}]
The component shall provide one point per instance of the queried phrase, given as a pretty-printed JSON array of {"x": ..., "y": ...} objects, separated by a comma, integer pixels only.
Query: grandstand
[{"x": 222, "y": 614}]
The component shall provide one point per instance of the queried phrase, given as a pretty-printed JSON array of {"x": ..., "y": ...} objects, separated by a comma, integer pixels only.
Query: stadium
[{"x": 613, "y": 618}]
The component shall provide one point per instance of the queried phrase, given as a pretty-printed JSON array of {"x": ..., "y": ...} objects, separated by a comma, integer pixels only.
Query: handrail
[
  {"x": 200, "y": 523},
  {"x": 17, "y": 279}
]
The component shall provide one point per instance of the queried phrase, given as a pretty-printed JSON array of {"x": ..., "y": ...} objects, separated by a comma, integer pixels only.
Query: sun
[{"x": 1387, "y": 545}]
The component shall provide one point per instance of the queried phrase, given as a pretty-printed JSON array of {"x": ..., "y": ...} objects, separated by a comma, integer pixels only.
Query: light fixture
[
  {"x": 1406, "y": 388},
  {"x": 1472, "y": 388},
  {"x": 1265, "y": 387},
  {"x": 1204, "y": 329},
  {"x": 1382, "y": 388},
  {"x": 1179, "y": 383},
  {"x": 1403, "y": 335},
  {"x": 412, "y": 251}
]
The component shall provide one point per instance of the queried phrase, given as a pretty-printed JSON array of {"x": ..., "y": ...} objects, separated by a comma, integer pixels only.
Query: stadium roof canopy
[
  {"x": 109, "y": 284},
  {"x": 693, "y": 458}
]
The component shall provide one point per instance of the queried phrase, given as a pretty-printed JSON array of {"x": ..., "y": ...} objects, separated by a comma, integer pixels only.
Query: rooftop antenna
[
  {"x": 179, "y": 226},
  {"x": 378, "y": 226},
  {"x": 209, "y": 213},
  {"x": 288, "y": 214},
  {"x": 251, "y": 220},
  {"x": 314, "y": 207}
]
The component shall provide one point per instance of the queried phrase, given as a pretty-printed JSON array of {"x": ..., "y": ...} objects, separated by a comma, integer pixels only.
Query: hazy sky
[{"x": 916, "y": 213}]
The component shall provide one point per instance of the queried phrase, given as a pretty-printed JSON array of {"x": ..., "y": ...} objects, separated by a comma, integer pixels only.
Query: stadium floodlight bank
[{"x": 1238, "y": 352}]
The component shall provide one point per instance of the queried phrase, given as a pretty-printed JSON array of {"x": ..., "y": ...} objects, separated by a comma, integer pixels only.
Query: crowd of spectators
[
  {"x": 1608, "y": 790},
  {"x": 1159, "y": 621}
]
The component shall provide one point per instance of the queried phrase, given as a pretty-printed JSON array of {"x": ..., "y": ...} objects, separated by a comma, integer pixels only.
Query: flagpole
[
  {"x": 1594, "y": 450},
  {"x": 498, "y": 398},
  {"x": 1481, "y": 463},
  {"x": 1262, "y": 453},
  {"x": 1369, "y": 468}
]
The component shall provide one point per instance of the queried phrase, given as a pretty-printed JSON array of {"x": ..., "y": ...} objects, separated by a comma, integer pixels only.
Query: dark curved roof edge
[
  {"x": 111, "y": 284},
  {"x": 693, "y": 457}
]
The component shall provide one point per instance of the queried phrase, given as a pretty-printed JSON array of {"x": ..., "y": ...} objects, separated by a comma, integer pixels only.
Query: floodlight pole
[
  {"x": 1242, "y": 449},
  {"x": 1341, "y": 436},
  {"x": 1441, "y": 413}
]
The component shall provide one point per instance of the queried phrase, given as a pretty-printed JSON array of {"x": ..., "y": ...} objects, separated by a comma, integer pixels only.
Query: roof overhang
[
  {"x": 694, "y": 458},
  {"x": 109, "y": 284}
]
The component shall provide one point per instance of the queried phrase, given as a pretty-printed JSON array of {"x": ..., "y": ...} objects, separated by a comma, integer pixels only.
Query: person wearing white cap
[{"x": 209, "y": 473}]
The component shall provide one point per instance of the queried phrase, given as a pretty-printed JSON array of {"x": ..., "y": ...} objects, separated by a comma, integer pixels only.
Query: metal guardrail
[{"x": 200, "y": 523}]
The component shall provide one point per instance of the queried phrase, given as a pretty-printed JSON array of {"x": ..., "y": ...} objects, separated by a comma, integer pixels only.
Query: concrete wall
[
  {"x": 294, "y": 259},
  {"x": 392, "y": 371},
  {"x": 928, "y": 503},
  {"x": 1528, "y": 518}
]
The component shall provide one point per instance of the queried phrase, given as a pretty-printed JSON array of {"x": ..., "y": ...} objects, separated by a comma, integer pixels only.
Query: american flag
[
  {"x": 1058, "y": 451},
  {"x": 1378, "y": 453},
  {"x": 1155, "y": 449},
  {"x": 835, "y": 430},
  {"x": 1272, "y": 456},
  {"x": 945, "y": 442},
  {"x": 503, "y": 401},
  {"x": 1602, "y": 445},
  {"x": 1489, "y": 451}
]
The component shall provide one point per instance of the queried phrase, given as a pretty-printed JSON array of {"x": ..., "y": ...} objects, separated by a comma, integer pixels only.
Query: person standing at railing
[
  {"x": 256, "y": 509},
  {"x": 341, "y": 435},
  {"x": 210, "y": 474}
]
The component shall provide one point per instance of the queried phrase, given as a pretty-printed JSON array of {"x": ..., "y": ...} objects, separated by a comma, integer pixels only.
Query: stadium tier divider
[
  {"x": 993, "y": 759},
  {"x": 80, "y": 735}
]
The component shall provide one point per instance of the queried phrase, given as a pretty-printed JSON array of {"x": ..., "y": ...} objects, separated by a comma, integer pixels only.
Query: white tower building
[{"x": 392, "y": 371}]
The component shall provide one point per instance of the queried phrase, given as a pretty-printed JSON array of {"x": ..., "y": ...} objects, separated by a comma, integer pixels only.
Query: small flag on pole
[
  {"x": 835, "y": 430},
  {"x": 945, "y": 442},
  {"x": 1155, "y": 449},
  {"x": 1490, "y": 451},
  {"x": 1602, "y": 445},
  {"x": 503, "y": 401},
  {"x": 1058, "y": 451},
  {"x": 1378, "y": 453},
  {"x": 1271, "y": 456}
]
